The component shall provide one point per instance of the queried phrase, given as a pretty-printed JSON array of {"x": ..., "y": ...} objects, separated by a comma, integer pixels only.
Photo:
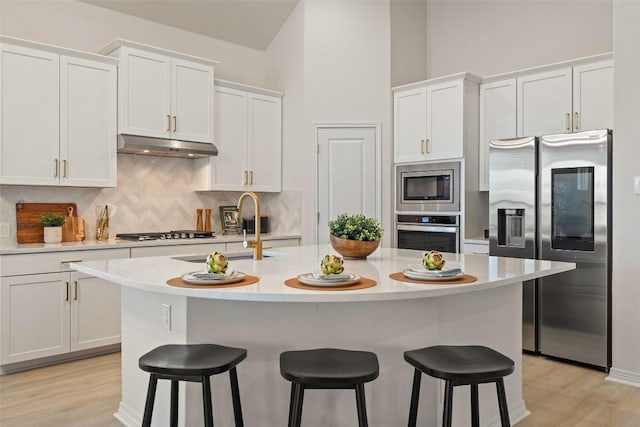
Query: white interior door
[{"x": 348, "y": 173}]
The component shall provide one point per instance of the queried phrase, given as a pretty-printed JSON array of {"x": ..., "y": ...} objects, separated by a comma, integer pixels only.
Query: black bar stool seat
[
  {"x": 460, "y": 365},
  {"x": 194, "y": 363},
  {"x": 327, "y": 368}
]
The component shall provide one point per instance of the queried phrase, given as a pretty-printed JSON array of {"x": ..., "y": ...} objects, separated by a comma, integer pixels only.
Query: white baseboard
[
  {"x": 624, "y": 377},
  {"x": 127, "y": 416},
  {"x": 517, "y": 413}
]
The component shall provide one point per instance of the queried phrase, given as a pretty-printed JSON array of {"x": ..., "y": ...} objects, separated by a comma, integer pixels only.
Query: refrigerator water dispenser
[{"x": 511, "y": 228}]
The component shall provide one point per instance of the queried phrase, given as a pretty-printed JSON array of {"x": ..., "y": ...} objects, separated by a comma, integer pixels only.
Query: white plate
[
  {"x": 419, "y": 276},
  {"x": 445, "y": 272},
  {"x": 204, "y": 278},
  {"x": 331, "y": 277},
  {"x": 308, "y": 279}
]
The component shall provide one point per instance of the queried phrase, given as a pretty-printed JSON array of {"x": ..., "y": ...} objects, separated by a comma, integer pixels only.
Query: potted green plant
[
  {"x": 52, "y": 224},
  {"x": 355, "y": 236}
]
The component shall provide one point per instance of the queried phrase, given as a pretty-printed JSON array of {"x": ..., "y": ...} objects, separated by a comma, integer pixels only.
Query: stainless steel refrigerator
[{"x": 550, "y": 198}]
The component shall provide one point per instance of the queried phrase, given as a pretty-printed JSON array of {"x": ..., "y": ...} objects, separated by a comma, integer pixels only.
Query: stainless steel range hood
[{"x": 135, "y": 144}]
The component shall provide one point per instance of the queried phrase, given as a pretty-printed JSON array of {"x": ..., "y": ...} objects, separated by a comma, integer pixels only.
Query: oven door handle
[{"x": 428, "y": 228}]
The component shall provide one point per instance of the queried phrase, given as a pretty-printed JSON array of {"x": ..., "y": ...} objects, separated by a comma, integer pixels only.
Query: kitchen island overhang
[{"x": 267, "y": 318}]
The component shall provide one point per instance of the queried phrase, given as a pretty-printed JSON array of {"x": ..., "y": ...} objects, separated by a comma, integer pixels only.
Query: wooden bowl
[{"x": 353, "y": 249}]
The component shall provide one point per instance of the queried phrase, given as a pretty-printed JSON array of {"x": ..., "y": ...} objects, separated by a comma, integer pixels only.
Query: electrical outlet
[
  {"x": 5, "y": 230},
  {"x": 166, "y": 317}
]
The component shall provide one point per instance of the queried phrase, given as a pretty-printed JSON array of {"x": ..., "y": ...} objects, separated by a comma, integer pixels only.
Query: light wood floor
[{"x": 86, "y": 393}]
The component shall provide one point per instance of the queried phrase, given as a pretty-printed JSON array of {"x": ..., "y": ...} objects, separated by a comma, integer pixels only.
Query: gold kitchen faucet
[{"x": 257, "y": 244}]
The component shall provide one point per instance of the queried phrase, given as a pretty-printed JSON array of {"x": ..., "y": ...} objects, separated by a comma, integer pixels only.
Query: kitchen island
[{"x": 269, "y": 317}]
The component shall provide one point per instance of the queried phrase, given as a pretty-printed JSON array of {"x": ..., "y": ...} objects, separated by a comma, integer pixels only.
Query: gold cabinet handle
[
  {"x": 422, "y": 146},
  {"x": 426, "y": 143},
  {"x": 567, "y": 118},
  {"x": 175, "y": 123},
  {"x": 250, "y": 177},
  {"x": 55, "y": 168},
  {"x": 576, "y": 120},
  {"x": 66, "y": 298},
  {"x": 246, "y": 179},
  {"x": 168, "y": 123},
  {"x": 64, "y": 168},
  {"x": 75, "y": 290}
]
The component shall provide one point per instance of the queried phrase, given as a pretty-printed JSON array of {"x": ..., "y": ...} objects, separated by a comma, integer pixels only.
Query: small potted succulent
[
  {"x": 52, "y": 224},
  {"x": 355, "y": 236}
]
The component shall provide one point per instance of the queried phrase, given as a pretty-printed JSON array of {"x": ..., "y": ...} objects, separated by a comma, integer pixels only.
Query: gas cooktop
[{"x": 166, "y": 235}]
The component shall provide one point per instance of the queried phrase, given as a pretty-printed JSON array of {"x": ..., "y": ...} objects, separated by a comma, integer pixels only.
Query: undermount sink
[{"x": 230, "y": 256}]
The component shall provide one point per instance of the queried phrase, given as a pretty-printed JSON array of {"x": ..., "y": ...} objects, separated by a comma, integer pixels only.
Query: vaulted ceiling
[{"x": 251, "y": 23}]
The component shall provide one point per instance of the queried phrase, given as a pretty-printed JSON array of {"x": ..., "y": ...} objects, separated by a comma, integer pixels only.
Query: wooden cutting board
[
  {"x": 73, "y": 227},
  {"x": 29, "y": 229}
]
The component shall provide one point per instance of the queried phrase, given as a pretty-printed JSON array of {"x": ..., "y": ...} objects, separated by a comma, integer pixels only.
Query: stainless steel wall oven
[{"x": 428, "y": 232}]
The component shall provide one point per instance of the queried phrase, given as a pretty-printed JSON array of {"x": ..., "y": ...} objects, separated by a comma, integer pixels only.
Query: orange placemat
[
  {"x": 178, "y": 282},
  {"x": 364, "y": 283},
  {"x": 467, "y": 278}
]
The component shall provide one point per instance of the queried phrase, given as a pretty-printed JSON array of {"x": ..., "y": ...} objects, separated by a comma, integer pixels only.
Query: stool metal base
[
  {"x": 206, "y": 398},
  {"x": 297, "y": 398}
]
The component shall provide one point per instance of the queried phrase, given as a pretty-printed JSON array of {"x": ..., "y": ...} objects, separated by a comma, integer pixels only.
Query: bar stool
[
  {"x": 460, "y": 365},
  {"x": 193, "y": 363},
  {"x": 327, "y": 368}
]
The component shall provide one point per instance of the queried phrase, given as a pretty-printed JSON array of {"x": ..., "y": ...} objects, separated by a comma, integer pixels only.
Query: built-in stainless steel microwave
[{"x": 428, "y": 187}]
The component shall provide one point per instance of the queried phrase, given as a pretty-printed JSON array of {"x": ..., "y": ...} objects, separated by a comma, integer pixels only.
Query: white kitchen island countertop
[
  {"x": 151, "y": 274},
  {"x": 268, "y": 318}
]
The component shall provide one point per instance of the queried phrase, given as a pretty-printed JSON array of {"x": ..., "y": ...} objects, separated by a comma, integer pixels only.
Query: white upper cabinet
[
  {"x": 248, "y": 134},
  {"x": 593, "y": 96},
  {"x": 30, "y": 116},
  {"x": 544, "y": 103},
  {"x": 264, "y": 136},
  {"x": 497, "y": 120},
  {"x": 163, "y": 94},
  {"x": 88, "y": 125},
  {"x": 431, "y": 118},
  {"x": 410, "y": 123},
  {"x": 144, "y": 93},
  {"x": 58, "y": 116},
  {"x": 562, "y": 98},
  {"x": 445, "y": 120},
  {"x": 192, "y": 101}
]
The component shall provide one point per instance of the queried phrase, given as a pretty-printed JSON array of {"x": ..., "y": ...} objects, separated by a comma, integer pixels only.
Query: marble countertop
[
  {"x": 11, "y": 248},
  {"x": 151, "y": 274}
]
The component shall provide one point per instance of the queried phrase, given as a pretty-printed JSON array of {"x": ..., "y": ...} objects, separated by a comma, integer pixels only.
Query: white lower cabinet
[
  {"x": 48, "y": 310},
  {"x": 50, "y": 314},
  {"x": 95, "y": 312},
  {"x": 35, "y": 316},
  {"x": 476, "y": 248}
]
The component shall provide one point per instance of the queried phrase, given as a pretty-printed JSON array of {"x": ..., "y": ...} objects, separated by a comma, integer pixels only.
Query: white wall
[
  {"x": 488, "y": 37},
  {"x": 86, "y": 27},
  {"x": 285, "y": 73},
  {"x": 347, "y": 77},
  {"x": 408, "y": 41},
  {"x": 626, "y": 212},
  {"x": 345, "y": 62}
]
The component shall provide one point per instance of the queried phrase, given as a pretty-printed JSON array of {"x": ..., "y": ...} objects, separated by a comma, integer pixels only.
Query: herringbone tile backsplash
[{"x": 153, "y": 194}]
